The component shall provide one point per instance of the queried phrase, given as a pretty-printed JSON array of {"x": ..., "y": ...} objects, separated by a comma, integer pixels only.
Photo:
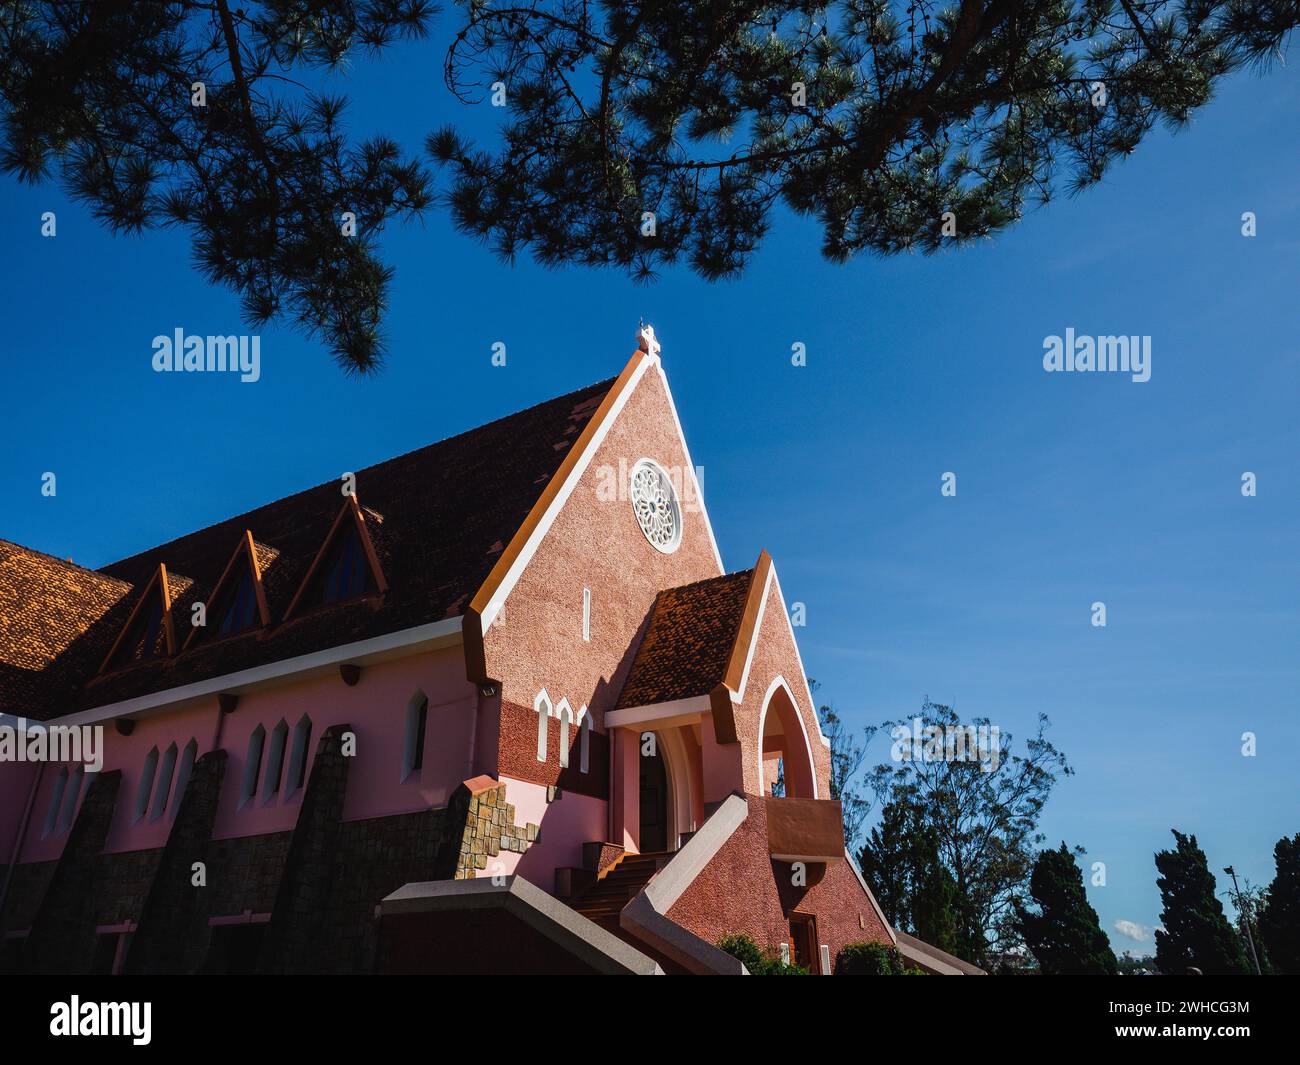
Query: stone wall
[
  {"x": 489, "y": 826},
  {"x": 63, "y": 931},
  {"x": 172, "y": 918}
]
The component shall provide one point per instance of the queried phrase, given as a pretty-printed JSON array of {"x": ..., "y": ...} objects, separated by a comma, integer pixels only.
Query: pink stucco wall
[
  {"x": 597, "y": 543},
  {"x": 564, "y": 824},
  {"x": 375, "y": 708}
]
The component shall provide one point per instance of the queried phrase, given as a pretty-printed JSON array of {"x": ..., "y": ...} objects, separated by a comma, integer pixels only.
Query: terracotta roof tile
[
  {"x": 56, "y": 618},
  {"x": 438, "y": 517},
  {"x": 688, "y": 641}
]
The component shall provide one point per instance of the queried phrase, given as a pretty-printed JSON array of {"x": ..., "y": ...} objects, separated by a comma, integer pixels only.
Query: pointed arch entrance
[{"x": 783, "y": 745}]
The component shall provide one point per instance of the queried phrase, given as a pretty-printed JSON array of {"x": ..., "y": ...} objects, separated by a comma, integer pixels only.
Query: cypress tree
[
  {"x": 1065, "y": 935},
  {"x": 1279, "y": 923},
  {"x": 1196, "y": 932}
]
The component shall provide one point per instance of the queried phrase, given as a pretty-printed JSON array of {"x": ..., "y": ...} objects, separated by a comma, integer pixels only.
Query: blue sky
[{"x": 1071, "y": 488}]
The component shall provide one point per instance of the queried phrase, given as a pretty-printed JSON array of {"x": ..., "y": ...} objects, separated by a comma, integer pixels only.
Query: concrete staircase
[{"x": 617, "y": 886}]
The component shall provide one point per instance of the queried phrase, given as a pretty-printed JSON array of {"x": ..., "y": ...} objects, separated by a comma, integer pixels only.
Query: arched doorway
[
  {"x": 654, "y": 798},
  {"x": 783, "y": 743}
]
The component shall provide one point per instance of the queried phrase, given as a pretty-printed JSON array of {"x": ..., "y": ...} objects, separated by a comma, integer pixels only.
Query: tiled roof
[
  {"x": 688, "y": 642},
  {"x": 438, "y": 517},
  {"x": 52, "y": 613}
]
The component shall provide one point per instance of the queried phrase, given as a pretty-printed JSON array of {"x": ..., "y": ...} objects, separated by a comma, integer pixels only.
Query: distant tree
[
  {"x": 900, "y": 860},
  {"x": 847, "y": 754},
  {"x": 984, "y": 814},
  {"x": 1129, "y": 965},
  {"x": 1279, "y": 919},
  {"x": 1196, "y": 932},
  {"x": 1064, "y": 935}
]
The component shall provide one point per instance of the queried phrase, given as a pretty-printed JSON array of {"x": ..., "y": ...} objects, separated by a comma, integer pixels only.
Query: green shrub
[
  {"x": 747, "y": 951},
  {"x": 873, "y": 959}
]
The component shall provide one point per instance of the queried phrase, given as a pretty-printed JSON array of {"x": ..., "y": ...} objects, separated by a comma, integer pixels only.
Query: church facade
[{"x": 493, "y": 706}]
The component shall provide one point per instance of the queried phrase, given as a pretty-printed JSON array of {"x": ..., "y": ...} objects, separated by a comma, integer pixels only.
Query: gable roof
[
  {"x": 52, "y": 613},
  {"x": 438, "y": 517},
  {"x": 689, "y": 640}
]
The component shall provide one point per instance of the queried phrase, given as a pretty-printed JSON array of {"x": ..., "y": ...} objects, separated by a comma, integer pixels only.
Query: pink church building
[{"x": 493, "y": 706}]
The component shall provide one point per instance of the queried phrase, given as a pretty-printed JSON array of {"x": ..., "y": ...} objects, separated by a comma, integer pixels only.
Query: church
[{"x": 492, "y": 706}]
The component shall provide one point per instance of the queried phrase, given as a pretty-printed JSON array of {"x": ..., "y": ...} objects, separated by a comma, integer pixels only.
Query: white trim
[
  {"x": 542, "y": 700},
  {"x": 586, "y": 615},
  {"x": 375, "y": 649},
  {"x": 525, "y": 556},
  {"x": 690, "y": 466},
  {"x": 646, "y": 916},
  {"x": 564, "y": 715},
  {"x": 780, "y": 682},
  {"x": 551, "y": 918},
  {"x": 689, "y": 710},
  {"x": 739, "y": 696},
  {"x": 812, "y": 703},
  {"x": 679, "y": 524}
]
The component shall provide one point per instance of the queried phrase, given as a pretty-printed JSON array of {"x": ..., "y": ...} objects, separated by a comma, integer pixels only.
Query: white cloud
[{"x": 1133, "y": 930}]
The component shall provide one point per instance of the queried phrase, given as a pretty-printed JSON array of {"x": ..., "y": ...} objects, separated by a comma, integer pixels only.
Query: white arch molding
[{"x": 780, "y": 684}]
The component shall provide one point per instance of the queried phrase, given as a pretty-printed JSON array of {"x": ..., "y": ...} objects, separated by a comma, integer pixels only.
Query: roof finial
[{"x": 646, "y": 340}]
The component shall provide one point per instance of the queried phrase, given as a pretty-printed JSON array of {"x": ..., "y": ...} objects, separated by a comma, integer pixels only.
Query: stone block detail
[
  {"x": 63, "y": 933},
  {"x": 171, "y": 935},
  {"x": 301, "y": 899},
  {"x": 489, "y": 825}
]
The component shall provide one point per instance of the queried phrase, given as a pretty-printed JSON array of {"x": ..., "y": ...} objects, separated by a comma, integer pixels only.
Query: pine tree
[
  {"x": 901, "y": 861},
  {"x": 1065, "y": 935},
  {"x": 639, "y": 135},
  {"x": 1279, "y": 923},
  {"x": 1196, "y": 933},
  {"x": 635, "y": 135}
]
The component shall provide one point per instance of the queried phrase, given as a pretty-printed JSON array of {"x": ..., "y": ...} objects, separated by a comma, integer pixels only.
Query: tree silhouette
[
  {"x": 1065, "y": 935},
  {"x": 108, "y": 95},
  {"x": 641, "y": 134},
  {"x": 1195, "y": 933},
  {"x": 1279, "y": 922},
  {"x": 635, "y": 135}
]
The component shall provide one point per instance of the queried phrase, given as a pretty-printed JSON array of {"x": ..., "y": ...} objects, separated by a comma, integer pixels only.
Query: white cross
[{"x": 647, "y": 340}]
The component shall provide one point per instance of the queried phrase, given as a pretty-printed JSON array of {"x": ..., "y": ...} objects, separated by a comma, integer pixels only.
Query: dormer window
[
  {"x": 147, "y": 633},
  {"x": 346, "y": 567},
  {"x": 239, "y": 610},
  {"x": 344, "y": 573},
  {"x": 237, "y": 602}
]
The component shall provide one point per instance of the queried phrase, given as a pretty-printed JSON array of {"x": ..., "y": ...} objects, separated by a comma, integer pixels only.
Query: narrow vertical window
[
  {"x": 542, "y": 705},
  {"x": 70, "y": 798},
  {"x": 252, "y": 764},
  {"x": 163, "y": 790},
  {"x": 301, "y": 751},
  {"x": 56, "y": 798},
  {"x": 417, "y": 721},
  {"x": 145, "y": 789},
  {"x": 188, "y": 756},
  {"x": 586, "y": 614},
  {"x": 584, "y": 740},
  {"x": 275, "y": 762},
  {"x": 564, "y": 714}
]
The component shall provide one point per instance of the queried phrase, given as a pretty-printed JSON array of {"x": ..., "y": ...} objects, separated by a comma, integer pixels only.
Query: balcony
[{"x": 804, "y": 830}]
